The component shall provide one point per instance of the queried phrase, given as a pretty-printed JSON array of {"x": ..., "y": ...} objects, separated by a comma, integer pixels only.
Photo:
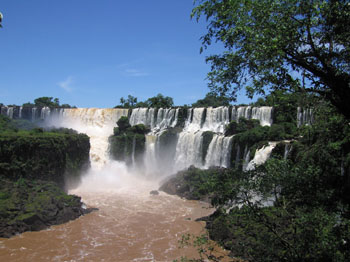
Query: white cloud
[
  {"x": 66, "y": 84},
  {"x": 134, "y": 73}
]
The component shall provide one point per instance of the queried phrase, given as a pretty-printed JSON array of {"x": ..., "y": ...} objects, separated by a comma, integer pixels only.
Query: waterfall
[
  {"x": 150, "y": 157},
  {"x": 246, "y": 158},
  {"x": 189, "y": 150},
  {"x": 157, "y": 120},
  {"x": 194, "y": 119},
  {"x": 304, "y": 116},
  {"x": 97, "y": 123},
  {"x": 45, "y": 113},
  {"x": 10, "y": 112},
  {"x": 141, "y": 116},
  {"x": 216, "y": 119},
  {"x": 34, "y": 114},
  {"x": 263, "y": 114},
  {"x": 172, "y": 152},
  {"x": 219, "y": 151},
  {"x": 20, "y": 112},
  {"x": 260, "y": 156}
]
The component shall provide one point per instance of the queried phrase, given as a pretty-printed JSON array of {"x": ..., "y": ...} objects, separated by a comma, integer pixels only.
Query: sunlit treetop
[{"x": 293, "y": 45}]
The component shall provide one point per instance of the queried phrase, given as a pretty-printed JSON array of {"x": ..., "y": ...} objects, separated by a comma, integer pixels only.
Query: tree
[
  {"x": 46, "y": 101},
  {"x": 212, "y": 99},
  {"x": 293, "y": 45},
  {"x": 131, "y": 101},
  {"x": 160, "y": 101}
]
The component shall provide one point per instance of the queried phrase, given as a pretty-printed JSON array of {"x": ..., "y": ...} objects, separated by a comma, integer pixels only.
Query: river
[{"x": 130, "y": 225}]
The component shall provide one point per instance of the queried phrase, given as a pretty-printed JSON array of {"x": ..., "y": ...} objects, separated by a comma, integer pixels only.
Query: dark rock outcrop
[{"x": 35, "y": 205}]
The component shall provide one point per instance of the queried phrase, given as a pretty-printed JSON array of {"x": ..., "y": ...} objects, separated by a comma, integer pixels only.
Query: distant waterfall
[
  {"x": 186, "y": 147},
  {"x": 97, "y": 123},
  {"x": 194, "y": 119},
  {"x": 219, "y": 151},
  {"x": 263, "y": 114},
  {"x": 189, "y": 150},
  {"x": 45, "y": 113},
  {"x": 10, "y": 112},
  {"x": 155, "y": 119},
  {"x": 305, "y": 116},
  {"x": 216, "y": 119},
  {"x": 34, "y": 113}
]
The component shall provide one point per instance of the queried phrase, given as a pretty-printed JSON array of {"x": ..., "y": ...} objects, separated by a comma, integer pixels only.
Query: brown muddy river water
[{"x": 130, "y": 225}]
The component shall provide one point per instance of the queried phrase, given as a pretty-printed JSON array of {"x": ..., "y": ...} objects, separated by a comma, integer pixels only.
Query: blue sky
[{"x": 89, "y": 53}]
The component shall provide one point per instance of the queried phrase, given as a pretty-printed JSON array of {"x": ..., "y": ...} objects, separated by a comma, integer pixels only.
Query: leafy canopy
[
  {"x": 158, "y": 101},
  {"x": 212, "y": 99},
  {"x": 279, "y": 44}
]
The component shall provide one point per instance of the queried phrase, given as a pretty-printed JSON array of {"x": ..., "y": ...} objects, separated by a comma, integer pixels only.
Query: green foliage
[
  {"x": 127, "y": 142},
  {"x": 123, "y": 123},
  {"x": 244, "y": 125},
  {"x": 130, "y": 102},
  {"x": 160, "y": 101},
  {"x": 279, "y": 45},
  {"x": 294, "y": 209},
  {"x": 43, "y": 155},
  {"x": 33, "y": 205},
  {"x": 46, "y": 101},
  {"x": 213, "y": 100}
]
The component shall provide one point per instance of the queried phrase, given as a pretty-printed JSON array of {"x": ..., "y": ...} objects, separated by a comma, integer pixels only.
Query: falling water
[
  {"x": 219, "y": 151},
  {"x": 189, "y": 150},
  {"x": 260, "y": 156}
]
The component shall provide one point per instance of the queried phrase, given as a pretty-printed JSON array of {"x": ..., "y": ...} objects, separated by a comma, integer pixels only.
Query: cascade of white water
[
  {"x": 10, "y": 112},
  {"x": 45, "y": 113},
  {"x": 97, "y": 123},
  {"x": 189, "y": 150},
  {"x": 176, "y": 117},
  {"x": 219, "y": 151},
  {"x": 260, "y": 156},
  {"x": 20, "y": 112},
  {"x": 246, "y": 158},
  {"x": 133, "y": 150},
  {"x": 263, "y": 114},
  {"x": 304, "y": 116},
  {"x": 216, "y": 119},
  {"x": 194, "y": 120},
  {"x": 150, "y": 156},
  {"x": 33, "y": 114},
  {"x": 244, "y": 112},
  {"x": 163, "y": 119},
  {"x": 141, "y": 116}
]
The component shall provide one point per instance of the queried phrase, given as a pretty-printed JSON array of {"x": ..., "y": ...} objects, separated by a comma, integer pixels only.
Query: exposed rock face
[{"x": 35, "y": 205}]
